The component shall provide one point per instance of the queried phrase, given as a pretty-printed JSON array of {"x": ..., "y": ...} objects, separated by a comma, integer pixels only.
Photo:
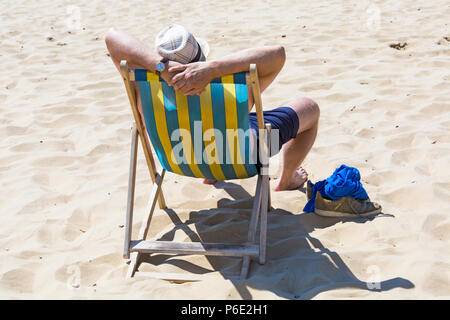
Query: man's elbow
[
  {"x": 279, "y": 49},
  {"x": 110, "y": 36},
  {"x": 280, "y": 54}
]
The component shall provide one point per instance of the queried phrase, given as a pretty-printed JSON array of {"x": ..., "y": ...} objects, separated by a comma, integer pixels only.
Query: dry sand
[{"x": 65, "y": 137}]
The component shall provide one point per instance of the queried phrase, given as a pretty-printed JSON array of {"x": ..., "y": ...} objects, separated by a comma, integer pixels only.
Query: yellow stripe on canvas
[
  {"x": 207, "y": 124},
  {"x": 151, "y": 77},
  {"x": 161, "y": 124},
  {"x": 227, "y": 79},
  {"x": 229, "y": 93},
  {"x": 184, "y": 124}
]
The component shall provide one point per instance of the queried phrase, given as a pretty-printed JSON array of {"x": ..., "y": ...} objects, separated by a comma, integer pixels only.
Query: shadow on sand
[{"x": 288, "y": 271}]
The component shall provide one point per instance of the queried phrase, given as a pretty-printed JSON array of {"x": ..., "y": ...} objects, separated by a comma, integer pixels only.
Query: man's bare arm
[
  {"x": 193, "y": 77},
  {"x": 269, "y": 61},
  {"x": 123, "y": 46}
]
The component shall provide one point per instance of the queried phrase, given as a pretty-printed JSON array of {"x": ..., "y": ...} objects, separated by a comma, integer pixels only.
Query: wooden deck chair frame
[{"x": 134, "y": 249}]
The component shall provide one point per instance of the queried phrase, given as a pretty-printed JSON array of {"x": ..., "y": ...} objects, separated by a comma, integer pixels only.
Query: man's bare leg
[{"x": 295, "y": 150}]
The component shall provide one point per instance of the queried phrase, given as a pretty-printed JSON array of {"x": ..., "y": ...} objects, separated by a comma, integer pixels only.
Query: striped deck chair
[{"x": 167, "y": 114}]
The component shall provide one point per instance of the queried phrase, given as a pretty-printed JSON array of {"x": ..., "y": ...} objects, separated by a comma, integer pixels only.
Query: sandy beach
[{"x": 380, "y": 72}]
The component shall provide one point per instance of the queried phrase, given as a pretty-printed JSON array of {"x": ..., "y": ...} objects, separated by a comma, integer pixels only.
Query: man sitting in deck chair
[{"x": 297, "y": 121}]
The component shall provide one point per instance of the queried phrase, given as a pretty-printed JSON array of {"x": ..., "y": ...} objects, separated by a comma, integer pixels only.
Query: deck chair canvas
[{"x": 221, "y": 107}]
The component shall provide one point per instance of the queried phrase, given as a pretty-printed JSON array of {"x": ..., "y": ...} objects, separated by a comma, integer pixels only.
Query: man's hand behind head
[
  {"x": 166, "y": 75},
  {"x": 191, "y": 78}
]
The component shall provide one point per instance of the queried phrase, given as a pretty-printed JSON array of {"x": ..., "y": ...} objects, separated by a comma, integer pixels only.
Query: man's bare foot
[
  {"x": 297, "y": 180},
  {"x": 209, "y": 181}
]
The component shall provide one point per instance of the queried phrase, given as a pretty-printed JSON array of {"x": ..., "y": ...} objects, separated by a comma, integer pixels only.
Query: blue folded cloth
[{"x": 344, "y": 182}]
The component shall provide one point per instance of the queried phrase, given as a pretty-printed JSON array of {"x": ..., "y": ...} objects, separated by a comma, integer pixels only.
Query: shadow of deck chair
[{"x": 221, "y": 107}]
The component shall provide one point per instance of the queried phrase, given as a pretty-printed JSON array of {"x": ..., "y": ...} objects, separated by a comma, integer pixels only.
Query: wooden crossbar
[
  {"x": 184, "y": 277},
  {"x": 207, "y": 249}
]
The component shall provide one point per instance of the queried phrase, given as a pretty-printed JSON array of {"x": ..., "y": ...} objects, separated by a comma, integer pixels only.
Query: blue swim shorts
[{"x": 283, "y": 119}]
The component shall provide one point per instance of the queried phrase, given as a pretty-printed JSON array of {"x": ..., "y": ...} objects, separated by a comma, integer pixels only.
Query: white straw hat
[{"x": 176, "y": 43}]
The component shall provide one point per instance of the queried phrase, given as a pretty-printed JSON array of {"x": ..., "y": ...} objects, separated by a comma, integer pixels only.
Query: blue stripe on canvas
[
  {"x": 218, "y": 106},
  {"x": 196, "y": 132},
  {"x": 149, "y": 117},
  {"x": 170, "y": 108}
]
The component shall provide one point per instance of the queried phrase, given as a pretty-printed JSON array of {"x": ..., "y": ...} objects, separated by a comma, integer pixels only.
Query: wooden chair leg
[
  {"x": 131, "y": 188},
  {"x": 253, "y": 226},
  {"x": 151, "y": 205},
  {"x": 269, "y": 146},
  {"x": 245, "y": 267},
  {"x": 263, "y": 223},
  {"x": 130, "y": 206},
  {"x": 265, "y": 197},
  {"x": 135, "y": 257}
]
